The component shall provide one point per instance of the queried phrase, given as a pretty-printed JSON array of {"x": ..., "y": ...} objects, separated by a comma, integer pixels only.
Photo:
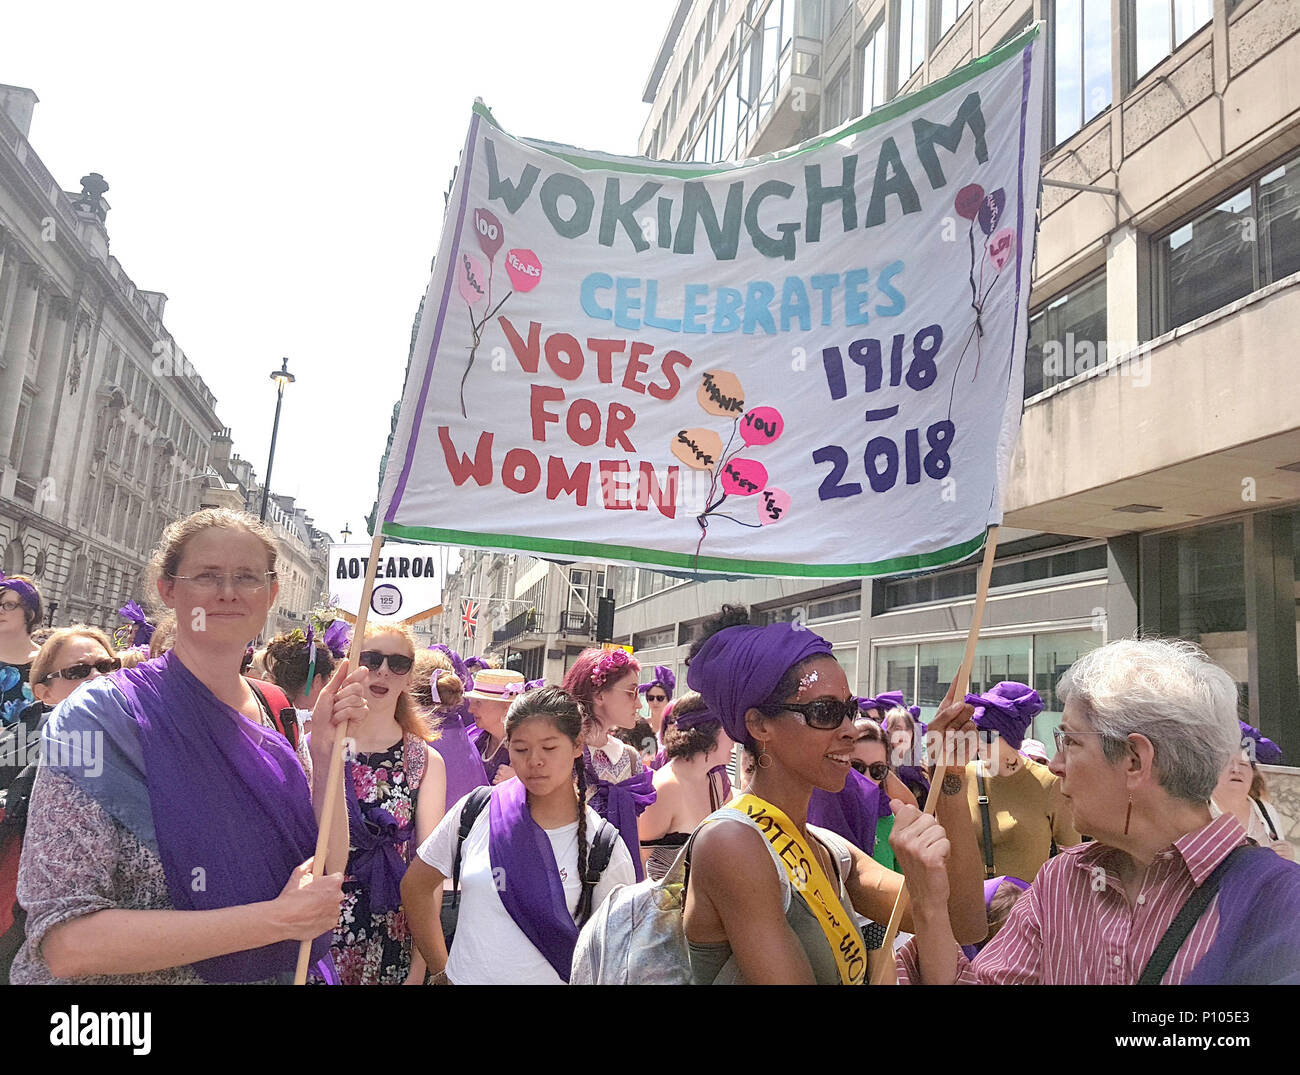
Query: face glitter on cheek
[{"x": 807, "y": 681}]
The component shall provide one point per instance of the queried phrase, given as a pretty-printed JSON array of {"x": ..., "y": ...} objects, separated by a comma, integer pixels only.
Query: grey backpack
[{"x": 636, "y": 937}]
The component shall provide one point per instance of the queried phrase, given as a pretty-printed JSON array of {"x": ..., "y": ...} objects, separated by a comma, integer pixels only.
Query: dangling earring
[
  {"x": 1128, "y": 814},
  {"x": 764, "y": 758}
]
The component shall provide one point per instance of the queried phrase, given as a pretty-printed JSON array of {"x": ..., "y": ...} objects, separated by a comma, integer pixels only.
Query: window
[
  {"x": 847, "y": 656},
  {"x": 873, "y": 69},
  {"x": 1080, "y": 57},
  {"x": 1160, "y": 26},
  {"x": 657, "y": 639},
  {"x": 948, "y": 585},
  {"x": 838, "y": 101},
  {"x": 949, "y": 12},
  {"x": 911, "y": 38},
  {"x": 1067, "y": 336}
]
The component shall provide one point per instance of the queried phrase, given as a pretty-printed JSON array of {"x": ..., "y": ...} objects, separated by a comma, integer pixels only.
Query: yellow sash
[{"x": 805, "y": 872}]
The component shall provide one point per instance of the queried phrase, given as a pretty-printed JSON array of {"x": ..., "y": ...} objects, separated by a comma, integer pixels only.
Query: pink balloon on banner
[
  {"x": 967, "y": 202},
  {"x": 761, "y": 426},
  {"x": 1001, "y": 247},
  {"x": 490, "y": 233},
  {"x": 524, "y": 269},
  {"x": 772, "y": 506},
  {"x": 743, "y": 477},
  {"x": 471, "y": 279}
]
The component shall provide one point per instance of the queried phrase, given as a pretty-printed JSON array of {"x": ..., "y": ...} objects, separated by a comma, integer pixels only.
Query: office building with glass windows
[{"x": 1157, "y": 481}]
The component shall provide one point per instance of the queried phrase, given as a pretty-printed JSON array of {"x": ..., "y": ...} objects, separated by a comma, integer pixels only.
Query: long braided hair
[{"x": 563, "y": 711}]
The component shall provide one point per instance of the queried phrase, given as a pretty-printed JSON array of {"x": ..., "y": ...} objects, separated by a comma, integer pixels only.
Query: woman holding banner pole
[
  {"x": 767, "y": 902},
  {"x": 171, "y": 849}
]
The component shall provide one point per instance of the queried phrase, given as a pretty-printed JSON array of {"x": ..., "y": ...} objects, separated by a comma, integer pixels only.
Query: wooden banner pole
[
  {"x": 334, "y": 782},
  {"x": 886, "y": 972}
]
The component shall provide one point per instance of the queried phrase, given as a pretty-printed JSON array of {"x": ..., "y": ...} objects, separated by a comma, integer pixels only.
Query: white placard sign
[{"x": 408, "y": 581}]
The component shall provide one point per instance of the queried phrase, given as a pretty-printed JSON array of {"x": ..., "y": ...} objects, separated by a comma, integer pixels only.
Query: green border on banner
[
  {"x": 592, "y": 550},
  {"x": 899, "y": 106}
]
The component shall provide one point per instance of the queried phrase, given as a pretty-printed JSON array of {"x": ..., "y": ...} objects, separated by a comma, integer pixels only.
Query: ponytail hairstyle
[
  {"x": 409, "y": 716},
  {"x": 435, "y": 687},
  {"x": 288, "y": 658},
  {"x": 563, "y": 710}
]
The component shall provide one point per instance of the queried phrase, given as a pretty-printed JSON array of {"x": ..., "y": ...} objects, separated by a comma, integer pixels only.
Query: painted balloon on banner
[
  {"x": 761, "y": 426},
  {"x": 1002, "y": 247},
  {"x": 743, "y": 477},
  {"x": 991, "y": 210},
  {"x": 772, "y": 506},
  {"x": 470, "y": 279},
  {"x": 489, "y": 231},
  {"x": 524, "y": 269},
  {"x": 699, "y": 449},
  {"x": 968, "y": 200},
  {"x": 720, "y": 393}
]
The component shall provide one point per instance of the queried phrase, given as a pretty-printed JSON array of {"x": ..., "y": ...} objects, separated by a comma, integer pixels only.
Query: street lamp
[
  {"x": 281, "y": 377},
  {"x": 346, "y": 533}
]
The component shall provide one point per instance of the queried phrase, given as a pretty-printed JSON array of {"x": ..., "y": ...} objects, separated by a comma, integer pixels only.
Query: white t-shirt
[{"x": 490, "y": 949}]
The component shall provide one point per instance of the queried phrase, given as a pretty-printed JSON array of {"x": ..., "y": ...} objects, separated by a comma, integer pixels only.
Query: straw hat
[{"x": 494, "y": 685}]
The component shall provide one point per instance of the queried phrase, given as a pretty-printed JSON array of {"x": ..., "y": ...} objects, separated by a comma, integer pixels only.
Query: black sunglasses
[
  {"x": 656, "y": 697},
  {"x": 824, "y": 714},
  {"x": 398, "y": 663},
  {"x": 81, "y": 671}
]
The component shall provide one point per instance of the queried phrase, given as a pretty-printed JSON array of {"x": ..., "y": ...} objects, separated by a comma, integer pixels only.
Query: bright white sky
[{"x": 277, "y": 169}]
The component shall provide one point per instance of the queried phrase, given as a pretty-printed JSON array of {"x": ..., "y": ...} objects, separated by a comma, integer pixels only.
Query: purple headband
[
  {"x": 1008, "y": 709},
  {"x": 25, "y": 590},
  {"x": 991, "y": 888},
  {"x": 664, "y": 678},
  {"x": 739, "y": 667},
  {"x": 883, "y": 703},
  {"x": 1265, "y": 750}
]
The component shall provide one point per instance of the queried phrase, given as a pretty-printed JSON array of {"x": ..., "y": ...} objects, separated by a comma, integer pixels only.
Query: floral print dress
[{"x": 370, "y": 947}]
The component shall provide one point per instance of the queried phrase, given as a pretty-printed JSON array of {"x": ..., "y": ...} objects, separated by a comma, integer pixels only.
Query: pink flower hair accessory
[{"x": 612, "y": 663}]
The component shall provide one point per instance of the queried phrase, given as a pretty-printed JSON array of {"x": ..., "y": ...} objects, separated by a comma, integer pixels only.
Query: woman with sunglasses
[
  {"x": 658, "y": 693},
  {"x": 768, "y": 900},
  {"x": 1239, "y": 793},
  {"x": 689, "y": 786},
  {"x": 171, "y": 828},
  {"x": 396, "y": 793},
  {"x": 869, "y": 758},
  {"x": 20, "y": 615},
  {"x": 620, "y": 785}
]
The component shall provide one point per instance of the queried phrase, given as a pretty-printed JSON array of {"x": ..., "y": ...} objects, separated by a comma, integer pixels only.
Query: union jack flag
[{"x": 469, "y": 616}]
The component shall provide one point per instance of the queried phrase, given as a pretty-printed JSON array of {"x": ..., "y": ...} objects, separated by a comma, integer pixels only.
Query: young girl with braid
[{"x": 522, "y": 862}]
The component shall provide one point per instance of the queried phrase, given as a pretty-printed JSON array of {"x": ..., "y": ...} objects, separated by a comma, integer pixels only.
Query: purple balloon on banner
[
  {"x": 967, "y": 202},
  {"x": 991, "y": 210},
  {"x": 490, "y": 233}
]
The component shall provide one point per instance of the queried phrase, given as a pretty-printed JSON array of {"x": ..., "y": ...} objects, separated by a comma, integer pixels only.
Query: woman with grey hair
[{"x": 1166, "y": 893}]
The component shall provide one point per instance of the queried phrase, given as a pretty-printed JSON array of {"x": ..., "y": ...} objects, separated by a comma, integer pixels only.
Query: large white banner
[{"x": 808, "y": 364}]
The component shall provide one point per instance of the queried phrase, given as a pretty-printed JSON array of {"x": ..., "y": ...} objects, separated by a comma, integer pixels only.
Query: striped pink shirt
[{"x": 1075, "y": 925}]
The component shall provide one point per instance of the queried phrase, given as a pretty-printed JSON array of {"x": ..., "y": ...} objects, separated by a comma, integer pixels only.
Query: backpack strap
[
  {"x": 276, "y": 705},
  {"x": 1272, "y": 829},
  {"x": 602, "y": 849},
  {"x": 730, "y": 813},
  {"x": 983, "y": 801},
  {"x": 1188, "y": 915},
  {"x": 474, "y": 803}
]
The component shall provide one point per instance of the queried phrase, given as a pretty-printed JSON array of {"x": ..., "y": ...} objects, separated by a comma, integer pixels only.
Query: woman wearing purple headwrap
[
  {"x": 20, "y": 615},
  {"x": 1022, "y": 816},
  {"x": 779, "y": 691},
  {"x": 691, "y": 784},
  {"x": 1240, "y": 794},
  {"x": 173, "y": 851}
]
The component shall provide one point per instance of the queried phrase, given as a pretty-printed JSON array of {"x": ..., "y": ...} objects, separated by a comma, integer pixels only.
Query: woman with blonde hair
[
  {"x": 396, "y": 795},
  {"x": 180, "y": 849}
]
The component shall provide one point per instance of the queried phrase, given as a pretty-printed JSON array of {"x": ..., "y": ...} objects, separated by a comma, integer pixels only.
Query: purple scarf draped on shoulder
[
  {"x": 376, "y": 838},
  {"x": 228, "y": 797},
  {"x": 532, "y": 894},
  {"x": 621, "y": 804},
  {"x": 1257, "y": 942},
  {"x": 851, "y": 813}
]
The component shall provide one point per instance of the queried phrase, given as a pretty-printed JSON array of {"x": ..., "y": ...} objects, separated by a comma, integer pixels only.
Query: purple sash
[
  {"x": 229, "y": 798},
  {"x": 375, "y": 859},
  {"x": 531, "y": 892},
  {"x": 851, "y": 813},
  {"x": 465, "y": 770},
  {"x": 621, "y": 804}
]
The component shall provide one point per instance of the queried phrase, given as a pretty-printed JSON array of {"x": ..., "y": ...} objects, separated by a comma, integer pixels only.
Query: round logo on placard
[{"x": 386, "y": 600}]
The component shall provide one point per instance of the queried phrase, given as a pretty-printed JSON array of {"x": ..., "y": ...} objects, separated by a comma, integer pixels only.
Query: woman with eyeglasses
[
  {"x": 769, "y": 897},
  {"x": 1165, "y": 893},
  {"x": 620, "y": 785},
  {"x": 1241, "y": 789},
  {"x": 20, "y": 615},
  {"x": 689, "y": 786},
  {"x": 396, "y": 792},
  {"x": 70, "y": 658},
  {"x": 171, "y": 828}
]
